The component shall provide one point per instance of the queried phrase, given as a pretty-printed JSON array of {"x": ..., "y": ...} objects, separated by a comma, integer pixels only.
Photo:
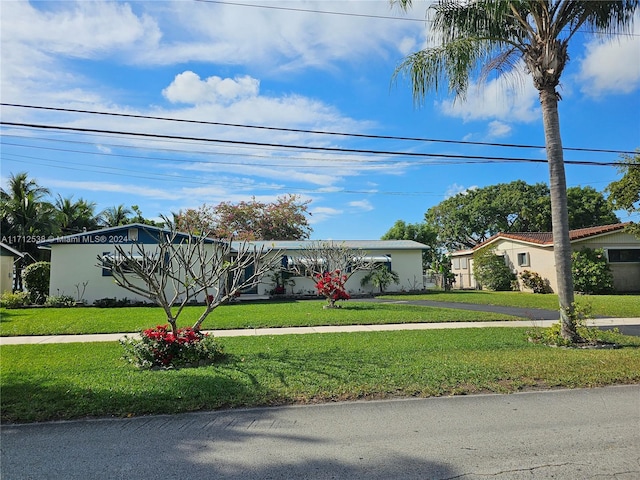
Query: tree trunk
[{"x": 559, "y": 211}]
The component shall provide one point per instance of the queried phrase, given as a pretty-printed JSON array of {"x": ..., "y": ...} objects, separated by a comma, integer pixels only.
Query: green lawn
[
  {"x": 49, "y": 321},
  {"x": 604, "y": 305},
  {"x": 63, "y": 381}
]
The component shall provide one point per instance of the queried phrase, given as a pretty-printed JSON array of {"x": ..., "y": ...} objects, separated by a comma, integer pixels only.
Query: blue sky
[{"x": 234, "y": 64}]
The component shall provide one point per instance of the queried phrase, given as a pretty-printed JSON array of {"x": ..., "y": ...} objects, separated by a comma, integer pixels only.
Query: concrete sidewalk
[{"x": 246, "y": 332}]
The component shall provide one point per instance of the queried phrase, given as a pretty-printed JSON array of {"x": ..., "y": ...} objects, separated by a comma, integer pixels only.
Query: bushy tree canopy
[
  {"x": 471, "y": 217},
  {"x": 624, "y": 194},
  {"x": 283, "y": 219}
]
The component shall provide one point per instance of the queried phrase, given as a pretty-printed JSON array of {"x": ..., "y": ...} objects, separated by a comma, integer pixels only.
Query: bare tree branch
[{"x": 183, "y": 268}]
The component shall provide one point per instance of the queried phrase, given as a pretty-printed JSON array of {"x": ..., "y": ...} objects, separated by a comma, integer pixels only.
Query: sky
[{"x": 228, "y": 67}]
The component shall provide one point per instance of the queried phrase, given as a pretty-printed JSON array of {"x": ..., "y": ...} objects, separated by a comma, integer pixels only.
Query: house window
[
  {"x": 523, "y": 259},
  {"x": 106, "y": 272},
  {"x": 109, "y": 260},
  {"x": 623, "y": 255},
  {"x": 464, "y": 264},
  {"x": 455, "y": 263}
]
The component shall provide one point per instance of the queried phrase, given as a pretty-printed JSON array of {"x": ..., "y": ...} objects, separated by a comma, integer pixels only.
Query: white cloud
[
  {"x": 455, "y": 189},
  {"x": 611, "y": 67},
  {"x": 364, "y": 205},
  {"x": 157, "y": 193},
  {"x": 321, "y": 214},
  {"x": 188, "y": 87},
  {"x": 498, "y": 129},
  {"x": 510, "y": 97}
]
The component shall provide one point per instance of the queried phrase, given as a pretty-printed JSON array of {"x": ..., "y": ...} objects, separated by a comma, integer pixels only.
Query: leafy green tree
[
  {"x": 471, "y": 217},
  {"x": 139, "y": 218},
  {"x": 624, "y": 194},
  {"x": 488, "y": 35},
  {"x": 491, "y": 271},
  {"x": 116, "y": 216},
  {"x": 75, "y": 216},
  {"x": 588, "y": 208},
  {"x": 380, "y": 277},
  {"x": 418, "y": 232},
  {"x": 591, "y": 272}
]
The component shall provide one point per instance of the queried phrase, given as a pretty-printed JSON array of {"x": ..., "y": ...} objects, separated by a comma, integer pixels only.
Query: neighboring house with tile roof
[
  {"x": 533, "y": 251},
  {"x": 8, "y": 257},
  {"x": 74, "y": 262}
]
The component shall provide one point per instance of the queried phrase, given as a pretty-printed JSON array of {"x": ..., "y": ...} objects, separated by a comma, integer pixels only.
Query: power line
[
  {"x": 350, "y": 14},
  {"x": 308, "y": 10},
  {"x": 483, "y": 159},
  {"x": 315, "y": 132}
]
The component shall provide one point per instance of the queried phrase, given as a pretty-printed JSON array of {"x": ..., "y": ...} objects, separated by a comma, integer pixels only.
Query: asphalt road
[{"x": 562, "y": 434}]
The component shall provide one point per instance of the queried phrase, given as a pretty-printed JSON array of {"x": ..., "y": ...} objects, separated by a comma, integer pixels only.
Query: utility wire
[
  {"x": 315, "y": 132},
  {"x": 308, "y": 10},
  {"x": 349, "y": 14},
  {"x": 483, "y": 159}
]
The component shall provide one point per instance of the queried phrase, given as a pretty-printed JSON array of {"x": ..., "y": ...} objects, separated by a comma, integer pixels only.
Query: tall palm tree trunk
[{"x": 559, "y": 211}]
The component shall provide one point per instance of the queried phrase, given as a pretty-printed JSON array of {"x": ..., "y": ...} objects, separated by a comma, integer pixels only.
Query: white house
[
  {"x": 533, "y": 251},
  {"x": 75, "y": 268}
]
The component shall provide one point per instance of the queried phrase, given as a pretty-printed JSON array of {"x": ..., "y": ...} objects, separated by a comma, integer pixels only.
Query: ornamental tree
[
  {"x": 331, "y": 286},
  {"x": 184, "y": 267},
  {"x": 284, "y": 219},
  {"x": 320, "y": 257}
]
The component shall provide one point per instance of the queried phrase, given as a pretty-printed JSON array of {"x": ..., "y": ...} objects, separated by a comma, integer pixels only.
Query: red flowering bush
[
  {"x": 331, "y": 286},
  {"x": 160, "y": 347}
]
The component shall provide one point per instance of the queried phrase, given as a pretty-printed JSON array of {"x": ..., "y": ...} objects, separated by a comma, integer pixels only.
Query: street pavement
[{"x": 559, "y": 434}]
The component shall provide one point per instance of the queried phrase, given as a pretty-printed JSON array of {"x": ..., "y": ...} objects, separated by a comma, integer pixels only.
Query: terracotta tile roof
[{"x": 546, "y": 238}]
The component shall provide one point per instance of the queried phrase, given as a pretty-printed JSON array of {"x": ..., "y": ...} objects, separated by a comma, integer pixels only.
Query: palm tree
[
  {"x": 496, "y": 35},
  {"x": 115, "y": 216},
  {"x": 26, "y": 216},
  {"x": 74, "y": 217},
  {"x": 380, "y": 277}
]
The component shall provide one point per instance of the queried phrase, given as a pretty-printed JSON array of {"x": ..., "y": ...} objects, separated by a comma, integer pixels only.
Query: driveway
[{"x": 527, "y": 313}]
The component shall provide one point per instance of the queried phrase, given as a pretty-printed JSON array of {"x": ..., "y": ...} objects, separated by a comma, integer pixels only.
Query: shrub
[
  {"x": 331, "y": 286},
  {"x": 491, "y": 271},
  {"x": 60, "y": 301},
  {"x": 587, "y": 335},
  {"x": 159, "y": 347},
  {"x": 36, "y": 279},
  {"x": 535, "y": 282},
  {"x": 14, "y": 300},
  {"x": 109, "y": 302},
  {"x": 591, "y": 272}
]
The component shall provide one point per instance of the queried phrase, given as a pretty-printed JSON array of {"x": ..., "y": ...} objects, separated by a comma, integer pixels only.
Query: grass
[
  {"x": 622, "y": 306},
  {"x": 51, "y": 321},
  {"x": 64, "y": 381}
]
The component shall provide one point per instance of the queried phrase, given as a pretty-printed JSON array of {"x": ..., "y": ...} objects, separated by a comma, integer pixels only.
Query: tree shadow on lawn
[
  {"x": 44, "y": 399},
  {"x": 7, "y": 316}
]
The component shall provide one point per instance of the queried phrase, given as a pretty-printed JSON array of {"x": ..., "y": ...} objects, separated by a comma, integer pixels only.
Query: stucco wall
[
  {"x": 626, "y": 275},
  {"x": 541, "y": 260},
  {"x": 6, "y": 273},
  {"x": 406, "y": 263},
  {"x": 73, "y": 264}
]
